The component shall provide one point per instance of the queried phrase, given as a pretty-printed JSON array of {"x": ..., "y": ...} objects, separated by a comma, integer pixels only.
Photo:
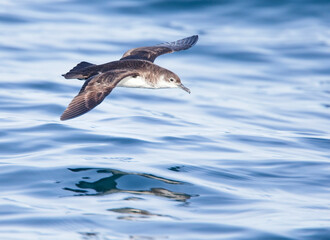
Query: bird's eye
[{"x": 171, "y": 79}]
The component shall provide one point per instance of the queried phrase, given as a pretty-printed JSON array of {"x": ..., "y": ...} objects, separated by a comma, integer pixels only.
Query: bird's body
[{"x": 135, "y": 69}]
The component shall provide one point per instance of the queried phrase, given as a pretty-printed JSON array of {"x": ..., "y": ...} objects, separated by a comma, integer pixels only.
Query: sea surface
[{"x": 245, "y": 156}]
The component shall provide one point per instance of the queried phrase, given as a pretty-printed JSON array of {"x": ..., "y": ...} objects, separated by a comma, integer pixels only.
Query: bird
[{"x": 136, "y": 69}]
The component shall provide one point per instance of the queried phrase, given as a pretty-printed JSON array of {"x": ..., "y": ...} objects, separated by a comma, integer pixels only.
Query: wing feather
[
  {"x": 151, "y": 53},
  {"x": 94, "y": 91}
]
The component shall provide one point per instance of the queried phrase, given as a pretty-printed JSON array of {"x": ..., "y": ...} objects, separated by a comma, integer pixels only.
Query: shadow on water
[{"x": 116, "y": 181}]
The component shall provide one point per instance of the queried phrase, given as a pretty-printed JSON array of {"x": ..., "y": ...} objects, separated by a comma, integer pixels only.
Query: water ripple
[{"x": 244, "y": 156}]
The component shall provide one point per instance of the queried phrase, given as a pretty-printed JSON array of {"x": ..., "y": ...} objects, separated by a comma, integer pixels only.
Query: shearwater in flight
[{"x": 135, "y": 69}]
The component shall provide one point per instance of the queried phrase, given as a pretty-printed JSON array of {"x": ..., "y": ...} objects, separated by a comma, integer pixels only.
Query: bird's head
[{"x": 171, "y": 80}]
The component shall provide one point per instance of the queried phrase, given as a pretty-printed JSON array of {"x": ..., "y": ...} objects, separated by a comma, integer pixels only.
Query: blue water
[{"x": 245, "y": 156}]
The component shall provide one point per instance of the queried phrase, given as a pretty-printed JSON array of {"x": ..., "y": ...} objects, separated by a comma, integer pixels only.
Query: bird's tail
[{"x": 77, "y": 71}]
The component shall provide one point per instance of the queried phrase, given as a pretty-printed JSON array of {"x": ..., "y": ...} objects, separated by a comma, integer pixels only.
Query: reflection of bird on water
[
  {"x": 134, "y": 213},
  {"x": 108, "y": 185}
]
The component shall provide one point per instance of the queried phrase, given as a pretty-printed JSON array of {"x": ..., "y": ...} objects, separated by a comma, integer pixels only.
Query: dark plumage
[{"x": 134, "y": 69}]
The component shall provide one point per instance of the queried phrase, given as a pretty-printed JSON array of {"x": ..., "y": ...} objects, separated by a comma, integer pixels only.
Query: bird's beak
[{"x": 184, "y": 88}]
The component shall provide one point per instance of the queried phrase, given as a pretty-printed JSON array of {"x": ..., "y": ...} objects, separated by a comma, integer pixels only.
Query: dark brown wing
[
  {"x": 86, "y": 70},
  {"x": 94, "y": 91},
  {"x": 151, "y": 53}
]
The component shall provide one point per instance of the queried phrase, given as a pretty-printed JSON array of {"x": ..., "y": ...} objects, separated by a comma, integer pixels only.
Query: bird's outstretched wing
[
  {"x": 151, "y": 53},
  {"x": 94, "y": 91}
]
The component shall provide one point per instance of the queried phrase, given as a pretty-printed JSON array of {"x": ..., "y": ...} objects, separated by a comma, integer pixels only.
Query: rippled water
[{"x": 245, "y": 156}]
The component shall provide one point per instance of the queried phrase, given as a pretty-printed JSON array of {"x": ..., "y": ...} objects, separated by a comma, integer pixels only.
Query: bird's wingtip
[{"x": 62, "y": 118}]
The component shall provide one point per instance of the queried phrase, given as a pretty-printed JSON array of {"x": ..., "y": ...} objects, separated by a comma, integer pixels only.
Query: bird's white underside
[
  {"x": 140, "y": 82},
  {"x": 137, "y": 82}
]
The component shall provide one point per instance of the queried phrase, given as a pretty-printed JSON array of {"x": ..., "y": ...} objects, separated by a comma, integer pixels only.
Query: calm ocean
[{"x": 245, "y": 156}]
